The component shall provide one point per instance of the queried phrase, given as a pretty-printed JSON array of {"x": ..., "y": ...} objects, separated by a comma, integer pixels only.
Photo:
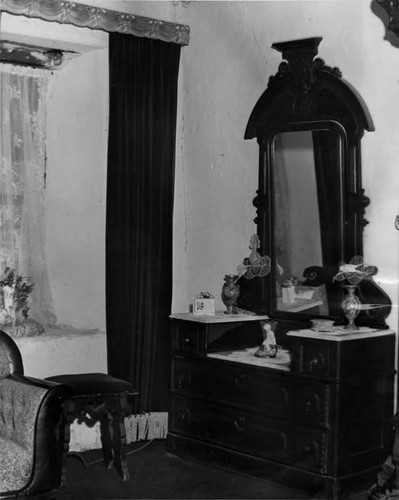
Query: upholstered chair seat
[
  {"x": 15, "y": 464},
  {"x": 19, "y": 405}
]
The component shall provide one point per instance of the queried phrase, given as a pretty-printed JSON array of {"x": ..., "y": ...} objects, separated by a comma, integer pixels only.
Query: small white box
[
  {"x": 204, "y": 306},
  {"x": 288, "y": 294}
]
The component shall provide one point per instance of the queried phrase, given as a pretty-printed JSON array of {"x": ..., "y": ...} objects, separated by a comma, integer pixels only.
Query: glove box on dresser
[{"x": 316, "y": 417}]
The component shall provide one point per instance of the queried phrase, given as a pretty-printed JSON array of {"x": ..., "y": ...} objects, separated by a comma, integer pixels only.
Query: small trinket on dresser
[
  {"x": 322, "y": 325},
  {"x": 269, "y": 348},
  {"x": 204, "y": 304}
]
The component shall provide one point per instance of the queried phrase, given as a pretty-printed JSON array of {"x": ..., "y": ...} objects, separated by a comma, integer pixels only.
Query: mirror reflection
[{"x": 307, "y": 221}]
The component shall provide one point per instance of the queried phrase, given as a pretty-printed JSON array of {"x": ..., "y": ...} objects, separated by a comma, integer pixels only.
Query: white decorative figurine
[{"x": 268, "y": 349}]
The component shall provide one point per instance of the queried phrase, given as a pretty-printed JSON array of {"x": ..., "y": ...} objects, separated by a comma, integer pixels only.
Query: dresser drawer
[
  {"x": 312, "y": 358},
  {"x": 276, "y": 395},
  {"x": 339, "y": 360},
  {"x": 188, "y": 338},
  {"x": 311, "y": 403},
  {"x": 224, "y": 427},
  {"x": 308, "y": 449},
  {"x": 249, "y": 433},
  {"x": 197, "y": 338},
  {"x": 233, "y": 385}
]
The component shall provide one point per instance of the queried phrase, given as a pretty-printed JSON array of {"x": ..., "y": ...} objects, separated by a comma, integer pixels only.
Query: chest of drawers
[{"x": 322, "y": 424}]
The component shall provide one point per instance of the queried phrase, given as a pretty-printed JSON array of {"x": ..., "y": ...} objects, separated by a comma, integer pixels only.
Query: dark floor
[{"x": 158, "y": 475}]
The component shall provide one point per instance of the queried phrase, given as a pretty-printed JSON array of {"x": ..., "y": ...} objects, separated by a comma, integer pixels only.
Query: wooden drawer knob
[
  {"x": 316, "y": 363},
  {"x": 240, "y": 380},
  {"x": 240, "y": 423},
  {"x": 312, "y": 405},
  {"x": 310, "y": 450},
  {"x": 184, "y": 416},
  {"x": 182, "y": 380}
]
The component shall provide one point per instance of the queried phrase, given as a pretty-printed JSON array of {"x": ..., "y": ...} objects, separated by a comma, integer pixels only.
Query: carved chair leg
[
  {"x": 119, "y": 441},
  {"x": 69, "y": 418},
  {"x": 106, "y": 439}
]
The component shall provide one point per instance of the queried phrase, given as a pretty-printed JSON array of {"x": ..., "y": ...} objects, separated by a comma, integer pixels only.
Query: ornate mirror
[{"x": 310, "y": 202}]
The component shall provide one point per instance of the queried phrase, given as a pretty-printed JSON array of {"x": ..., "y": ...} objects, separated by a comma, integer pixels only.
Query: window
[{"x": 23, "y": 93}]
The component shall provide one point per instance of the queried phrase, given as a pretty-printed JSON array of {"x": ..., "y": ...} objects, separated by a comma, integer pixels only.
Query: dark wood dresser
[{"x": 320, "y": 423}]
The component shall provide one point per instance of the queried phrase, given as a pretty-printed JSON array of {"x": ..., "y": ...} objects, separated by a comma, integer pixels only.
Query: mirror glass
[{"x": 307, "y": 220}]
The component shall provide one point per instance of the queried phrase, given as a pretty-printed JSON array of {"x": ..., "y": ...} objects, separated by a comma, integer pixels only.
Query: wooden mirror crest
[{"x": 310, "y": 203}]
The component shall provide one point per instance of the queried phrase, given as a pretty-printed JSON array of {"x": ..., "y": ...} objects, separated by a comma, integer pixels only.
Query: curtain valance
[{"x": 85, "y": 16}]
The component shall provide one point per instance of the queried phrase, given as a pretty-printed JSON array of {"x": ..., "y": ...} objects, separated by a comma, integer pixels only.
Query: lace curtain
[{"x": 23, "y": 94}]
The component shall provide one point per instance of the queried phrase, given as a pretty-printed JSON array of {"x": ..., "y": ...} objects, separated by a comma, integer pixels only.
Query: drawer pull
[
  {"x": 187, "y": 343},
  {"x": 240, "y": 380},
  {"x": 285, "y": 441},
  {"x": 312, "y": 406},
  {"x": 240, "y": 423},
  {"x": 285, "y": 396},
  {"x": 316, "y": 363},
  {"x": 183, "y": 380},
  {"x": 184, "y": 416},
  {"x": 307, "y": 449},
  {"x": 310, "y": 450}
]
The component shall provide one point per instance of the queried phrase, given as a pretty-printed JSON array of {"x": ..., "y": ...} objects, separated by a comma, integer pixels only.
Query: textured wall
[
  {"x": 63, "y": 351},
  {"x": 223, "y": 72},
  {"x": 225, "y": 69},
  {"x": 76, "y": 189}
]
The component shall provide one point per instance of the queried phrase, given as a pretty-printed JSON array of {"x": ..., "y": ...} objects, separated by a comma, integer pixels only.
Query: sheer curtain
[{"x": 23, "y": 94}]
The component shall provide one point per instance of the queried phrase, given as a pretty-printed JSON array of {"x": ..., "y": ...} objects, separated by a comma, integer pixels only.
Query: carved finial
[
  {"x": 358, "y": 203},
  {"x": 306, "y": 49},
  {"x": 299, "y": 56}
]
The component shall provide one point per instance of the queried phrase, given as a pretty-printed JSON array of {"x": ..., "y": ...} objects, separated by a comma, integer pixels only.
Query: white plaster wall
[
  {"x": 226, "y": 68},
  {"x": 63, "y": 351},
  {"x": 76, "y": 189},
  {"x": 158, "y": 9},
  {"x": 223, "y": 72}
]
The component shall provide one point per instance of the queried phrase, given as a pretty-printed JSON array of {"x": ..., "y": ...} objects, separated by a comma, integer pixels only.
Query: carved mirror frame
[{"x": 306, "y": 94}]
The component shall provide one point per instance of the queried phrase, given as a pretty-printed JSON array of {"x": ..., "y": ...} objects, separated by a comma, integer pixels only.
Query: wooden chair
[{"x": 98, "y": 397}]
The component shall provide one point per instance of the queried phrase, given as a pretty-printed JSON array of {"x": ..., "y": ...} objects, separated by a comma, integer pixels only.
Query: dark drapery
[{"x": 140, "y": 188}]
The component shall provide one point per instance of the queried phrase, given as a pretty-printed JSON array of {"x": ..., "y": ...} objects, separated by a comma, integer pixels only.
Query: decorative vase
[
  {"x": 351, "y": 306},
  {"x": 230, "y": 293}
]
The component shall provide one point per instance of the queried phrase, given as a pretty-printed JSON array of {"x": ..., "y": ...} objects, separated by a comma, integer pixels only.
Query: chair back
[{"x": 10, "y": 356}]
